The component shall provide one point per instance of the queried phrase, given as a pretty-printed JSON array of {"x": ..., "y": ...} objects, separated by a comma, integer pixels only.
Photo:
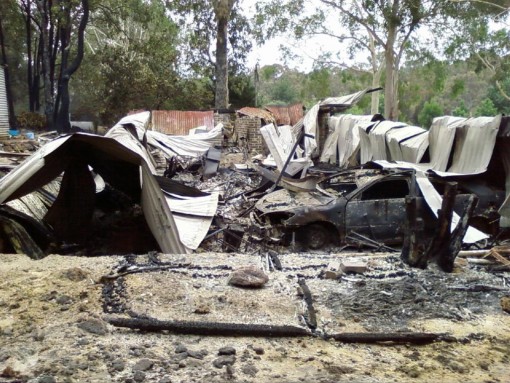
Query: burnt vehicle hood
[{"x": 285, "y": 201}]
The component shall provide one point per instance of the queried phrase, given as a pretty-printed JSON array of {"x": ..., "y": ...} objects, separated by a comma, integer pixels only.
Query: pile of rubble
[{"x": 339, "y": 251}]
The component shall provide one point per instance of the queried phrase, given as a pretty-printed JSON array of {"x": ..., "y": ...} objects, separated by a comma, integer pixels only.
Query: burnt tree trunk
[
  {"x": 49, "y": 102},
  {"x": 222, "y": 10},
  {"x": 62, "y": 120}
]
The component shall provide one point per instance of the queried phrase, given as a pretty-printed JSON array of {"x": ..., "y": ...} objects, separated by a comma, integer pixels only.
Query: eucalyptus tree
[
  {"x": 483, "y": 39},
  {"x": 214, "y": 23},
  {"x": 385, "y": 29}
]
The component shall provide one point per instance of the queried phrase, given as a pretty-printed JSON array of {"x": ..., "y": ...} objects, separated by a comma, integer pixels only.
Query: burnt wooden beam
[
  {"x": 447, "y": 258},
  {"x": 412, "y": 248},
  {"x": 208, "y": 328},
  {"x": 392, "y": 337},
  {"x": 311, "y": 317},
  {"x": 440, "y": 244}
]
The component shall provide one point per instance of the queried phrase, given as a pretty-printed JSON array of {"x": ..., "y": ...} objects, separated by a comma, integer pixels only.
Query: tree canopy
[{"x": 429, "y": 56}]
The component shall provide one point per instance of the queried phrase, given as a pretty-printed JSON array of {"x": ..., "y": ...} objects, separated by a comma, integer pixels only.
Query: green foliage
[
  {"x": 132, "y": 63},
  {"x": 486, "y": 108},
  {"x": 319, "y": 84},
  {"x": 32, "y": 121},
  {"x": 242, "y": 91},
  {"x": 461, "y": 110},
  {"x": 501, "y": 103},
  {"x": 457, "y": 88},
  {"x": 431, "y": 109}
]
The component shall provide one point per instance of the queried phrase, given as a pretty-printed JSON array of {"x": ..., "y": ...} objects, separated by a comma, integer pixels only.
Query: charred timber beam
[
  {"x": 412, "y": 249},
  {"x": 396, "y": 337},
  {"x": 447, "y": 258},
  {"x": 311, "y": 317},
  {"x": 208, "y": 328},
  {"x": 439, "y": 247}
]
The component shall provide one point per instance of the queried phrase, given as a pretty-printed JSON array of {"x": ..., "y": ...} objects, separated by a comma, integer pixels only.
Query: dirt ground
[{"x": 53, "y": 328}]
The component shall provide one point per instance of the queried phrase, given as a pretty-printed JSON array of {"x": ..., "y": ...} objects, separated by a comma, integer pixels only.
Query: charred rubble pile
[
  {"x": 392, "y": 199},
  {"x": 330, "y": 181}
]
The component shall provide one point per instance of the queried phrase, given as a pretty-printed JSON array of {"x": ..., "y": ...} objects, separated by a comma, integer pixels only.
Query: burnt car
[{"x": 370, "y": 203}]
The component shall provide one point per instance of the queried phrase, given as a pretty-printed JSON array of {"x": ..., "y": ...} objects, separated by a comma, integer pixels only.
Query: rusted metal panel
[
  {"x": 179, "y": 123},
  {"x": 4, "y": 111},
  {"x": 257, "y": 112},
  {"x": 287, "y": 115}
]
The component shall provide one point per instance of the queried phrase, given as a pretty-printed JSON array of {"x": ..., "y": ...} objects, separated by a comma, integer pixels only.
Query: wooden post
[
  {"x": 412, "y": 252},
  {"x": 439, "y": 247},
  {"x": 447, "y": 258}
]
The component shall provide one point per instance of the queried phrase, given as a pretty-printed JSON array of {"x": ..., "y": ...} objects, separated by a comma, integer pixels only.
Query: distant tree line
[{"x": 98, "y": 59}]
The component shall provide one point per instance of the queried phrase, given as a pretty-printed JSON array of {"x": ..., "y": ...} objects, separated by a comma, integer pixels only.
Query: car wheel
[{"x": 316, "y": 236}]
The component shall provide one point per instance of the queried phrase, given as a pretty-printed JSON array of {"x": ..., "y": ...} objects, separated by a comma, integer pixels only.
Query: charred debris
[{"x": 328, "y": 181}]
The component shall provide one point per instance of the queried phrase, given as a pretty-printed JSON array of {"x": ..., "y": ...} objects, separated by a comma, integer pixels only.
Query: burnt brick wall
[
  {"x": 228, "y": 121},
  {"x": 249, "y": 128}
]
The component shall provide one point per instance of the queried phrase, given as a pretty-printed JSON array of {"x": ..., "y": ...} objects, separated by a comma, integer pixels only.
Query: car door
[{"x": 378, "y": 210}]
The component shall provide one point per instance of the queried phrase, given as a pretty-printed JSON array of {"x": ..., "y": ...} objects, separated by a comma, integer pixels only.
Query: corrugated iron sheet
[
  {"x": 4, "y": 111},
  {"x": 287, "y": 115},
  {"x": 178, "y": 123},
  {"x": 266, "y": 115}
]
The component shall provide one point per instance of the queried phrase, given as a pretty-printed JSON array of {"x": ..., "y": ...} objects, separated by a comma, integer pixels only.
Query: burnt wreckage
[
  {"x": 331, "y": 178},
  {"x": 364, "y": 203}
]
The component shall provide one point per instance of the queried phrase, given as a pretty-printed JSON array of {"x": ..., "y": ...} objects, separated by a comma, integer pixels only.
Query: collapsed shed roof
[{"x": 118, "y": 158}]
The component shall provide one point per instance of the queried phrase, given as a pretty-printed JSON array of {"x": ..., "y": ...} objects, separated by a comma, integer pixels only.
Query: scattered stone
[
  {"x": 227, "y": 351},
  {"x": 75, "y": 274},
  {"x": 64, "y": 299},
  {"x": 46, "y": 379},
  {"x": 181, "y": 348},
  {"x": 38, "y": 335},
  {"x": 357, "y": 267},
  {"x": 9, "y": 372},
  {"x": 505, "y": 304},
  {"x": 248, "y": 276},
  {"x": 224, "y": 360},
  {"x": 339, "y": 370},
  {"x": 165, "y": 379},
  {"x": 94, "y": 326},
  {"x": 14, "y": 306},
  {"x": 259, "y": 350},
  {"x": 118, "y": 365},
  {"x": 143, "y": 365},
  {"x": 194, "y": 363},
  {"x": 458, "y": 367},
  {"x": 82, "y": 342},
  {"x": 178, "y": 357},
  {"x": 197, "y": 354},
  {"x": 331, "y": 274},
  {"x": 139, "y": 376},
  {"x": 250, "y": 370},
  {"x": 202, "y": 308}
]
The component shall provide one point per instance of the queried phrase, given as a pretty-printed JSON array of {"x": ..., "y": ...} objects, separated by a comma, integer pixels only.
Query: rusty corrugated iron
[
  {"x": 178, "y": 123},
  {"x": 288, "y": 114},
  {"x": 266, "y": 115}
]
